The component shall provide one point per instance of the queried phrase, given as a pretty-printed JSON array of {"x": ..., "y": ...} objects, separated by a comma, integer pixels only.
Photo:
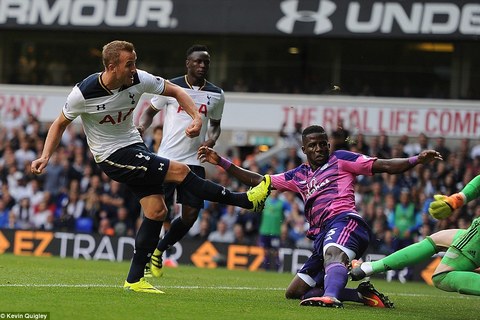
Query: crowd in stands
[{"x": 74, "y": 195}]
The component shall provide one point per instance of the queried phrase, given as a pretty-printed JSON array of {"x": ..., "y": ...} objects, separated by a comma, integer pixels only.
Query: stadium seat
[{"x": 84, "y": 225}]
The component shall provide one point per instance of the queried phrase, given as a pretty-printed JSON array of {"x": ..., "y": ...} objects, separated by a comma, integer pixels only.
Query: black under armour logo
[{"x": 101, "y": 107}]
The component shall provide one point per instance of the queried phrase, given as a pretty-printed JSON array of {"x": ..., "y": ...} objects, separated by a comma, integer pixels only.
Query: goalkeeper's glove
[{"x": 443, "y": 206}]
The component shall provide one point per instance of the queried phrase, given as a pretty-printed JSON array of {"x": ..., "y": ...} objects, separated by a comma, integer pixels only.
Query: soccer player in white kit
[
  {"x": 105, "y": 102},
  {"x": 209, "y": 100}
]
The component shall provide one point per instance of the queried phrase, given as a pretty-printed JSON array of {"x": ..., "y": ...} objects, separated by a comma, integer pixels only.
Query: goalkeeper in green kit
[{"x": 456, "y": 271}]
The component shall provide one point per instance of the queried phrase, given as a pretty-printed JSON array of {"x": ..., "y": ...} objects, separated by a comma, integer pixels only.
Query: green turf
[{"x": 80, "y": 289}]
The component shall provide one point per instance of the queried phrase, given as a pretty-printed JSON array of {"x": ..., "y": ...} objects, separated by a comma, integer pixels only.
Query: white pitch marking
[{"x": 62, "y": 285}]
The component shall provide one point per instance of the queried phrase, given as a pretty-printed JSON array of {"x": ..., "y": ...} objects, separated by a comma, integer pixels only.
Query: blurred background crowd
[{"x": 73, "y": 195}]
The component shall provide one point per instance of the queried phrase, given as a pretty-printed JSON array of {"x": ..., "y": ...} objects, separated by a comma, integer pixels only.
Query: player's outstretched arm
[
  {"x": 399, "y": 165},
  {"x": 443, "y": 206},
  {"x": 250, "y": 178}
]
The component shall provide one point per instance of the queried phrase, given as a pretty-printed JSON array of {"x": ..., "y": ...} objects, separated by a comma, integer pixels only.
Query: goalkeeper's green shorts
[{"x": 465, "y": 248}]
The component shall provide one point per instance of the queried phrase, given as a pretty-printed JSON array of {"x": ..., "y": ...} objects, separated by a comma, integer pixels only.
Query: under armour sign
[{"x": 428, "y": 19}]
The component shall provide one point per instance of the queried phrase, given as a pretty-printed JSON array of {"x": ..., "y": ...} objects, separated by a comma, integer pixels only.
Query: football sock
[
  {"x": 466, "y": 282},
  {"x": 145, "y": 242},
  {"x": 209, "y": 190},
  {"x": 349, "y": 294},
  {"x": 405, "y": 257},
  {"x": 335, "y": 280},
  {"x": 176, "y": 232},
  {"x": 314, "y": 292}
]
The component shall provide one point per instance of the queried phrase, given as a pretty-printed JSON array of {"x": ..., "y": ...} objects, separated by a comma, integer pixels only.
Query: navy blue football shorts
[
  {"x": 140, "y": 169},
  {"x": 184, "y": 196}
]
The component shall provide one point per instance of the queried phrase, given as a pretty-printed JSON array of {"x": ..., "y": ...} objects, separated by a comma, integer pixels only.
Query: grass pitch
[{"x": 80, "y": 289}]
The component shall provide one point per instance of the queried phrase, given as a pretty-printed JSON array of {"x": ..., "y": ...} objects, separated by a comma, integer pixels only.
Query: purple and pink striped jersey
[{"x": 328, "y": 191}]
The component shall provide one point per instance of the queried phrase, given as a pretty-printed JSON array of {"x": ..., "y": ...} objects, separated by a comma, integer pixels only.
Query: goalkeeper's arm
[
  {"x": 472, "y": 189},
  {"x": 443, "y": 206}
]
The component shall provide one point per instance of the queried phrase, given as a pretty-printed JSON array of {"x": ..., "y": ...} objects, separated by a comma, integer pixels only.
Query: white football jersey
[
  {"x": 107, "y": 116},
  {"x": 175, "y": 145}
]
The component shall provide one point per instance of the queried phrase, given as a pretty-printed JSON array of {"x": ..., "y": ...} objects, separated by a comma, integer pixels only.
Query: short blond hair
[{"x": 111, "y": 51}]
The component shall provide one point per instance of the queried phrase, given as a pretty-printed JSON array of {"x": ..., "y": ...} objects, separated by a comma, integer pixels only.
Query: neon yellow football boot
[
  {"x": 141, "y": 286},
  {"x": 156, "y": 264},
  {"x": 258, "y": 194}
]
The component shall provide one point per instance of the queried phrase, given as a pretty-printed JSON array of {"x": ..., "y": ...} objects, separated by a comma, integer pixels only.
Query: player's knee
[
  {"x": 335, "y": 255},
  {"x": 437, "y": 280},
  {"x": 157, "y": 213},
  {"x": 292, "y": 294},
  {"x": 177, "y": 172},
  {"x": 296, "y": 289}
]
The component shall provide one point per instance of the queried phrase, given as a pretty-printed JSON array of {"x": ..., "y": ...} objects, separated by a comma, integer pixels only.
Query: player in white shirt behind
[{"x": 209, "y": 100}]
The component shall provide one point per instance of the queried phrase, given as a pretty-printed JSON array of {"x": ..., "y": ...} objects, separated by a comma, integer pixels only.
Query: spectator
[
  {"x": 384, "y": 150},
  {"x": 55, "y": 179},
  {"x": 76, "y": 168},
  {"x": 292, "y": 139},
  {"x": 383, "y": 243},
  {"x": 4, "y": 214},
  {"x": 441, "y": 147},
  {"x": 24, "y": 156},
  {"x": 239, "y": 235},
  {"x": 12, "y": 222},
  {"x": 414, "y": 148},
  {"x": 204, "y": 230},
  {"x": 74, "y": 205},
  {"x": 42, "y": 219},
  {"x": 340, "y": 137},
  {"x": 298, "y": 229},
  {"x": 34, "y": 192},
  {"x": 93, "y": 205},
  {"x": 250, "y": 222},
  {"x": 361, "y": 144},
  {"x": 23, "y": 213},
  {"x": 122, "y": 225},
  {"x": 230, "y": 216},
  {"x": 285, "y": 240},
  {"x": 291, "y": 160},
  {"x": 403, "y": 221},
  {"x": 221, "y": 234},
  {"x": 113, "y": 199},
  {"x": 271, "y": 221},
  {"x": 153, "y": 143},
  {"x": 105, "y": 228}
]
